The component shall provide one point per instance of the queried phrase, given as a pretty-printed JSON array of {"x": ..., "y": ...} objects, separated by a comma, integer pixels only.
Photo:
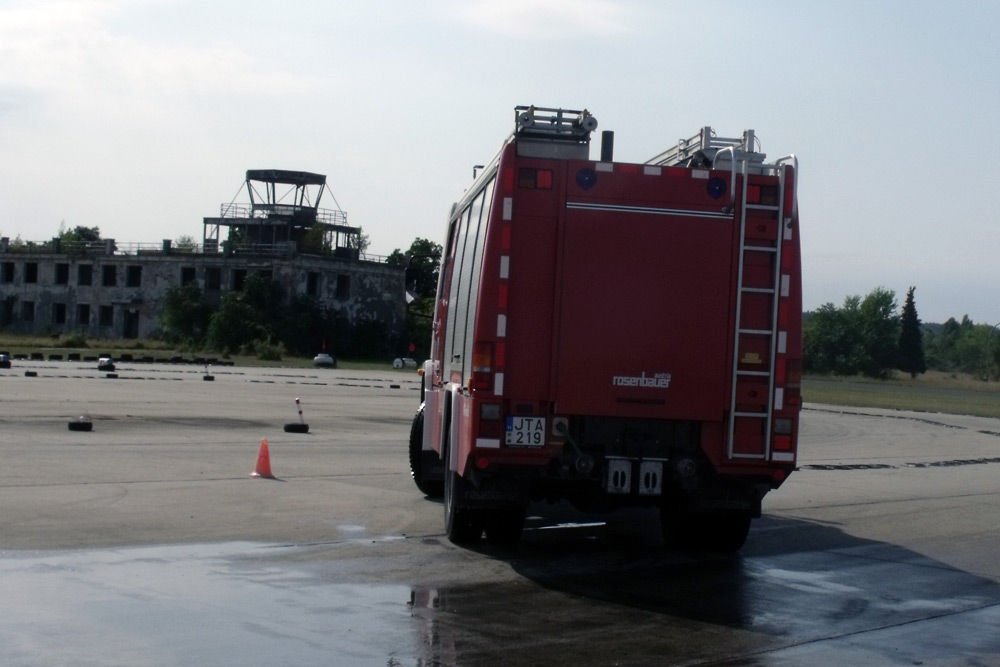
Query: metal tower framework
[{"x": 283, "y": 216}]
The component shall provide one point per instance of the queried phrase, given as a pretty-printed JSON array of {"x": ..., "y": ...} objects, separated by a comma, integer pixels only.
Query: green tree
[
  {"x": 78, "y": 238},
  {"x": 314, "y": 241},
  {"x": 265, "y": 297},
  {"x": 942, "y": 347},
  {"x": 911, "y": 345},
  {"x": 963, "y": 346},
  {"x": 359, "y": 241},
  {"x": 422, "y": 261},
  {"x": 233, "y": 325},
  {"x": 305, "y": 328},
  {"x": 248, "y": 317},
  {"x": 80, "y": 234},
  {"x": 833, "y": 340},
  {"x": 185, "y": 316},
  {"x": 972, "y": 352},
  {"x": 880, "y": 332},
  {"x": 185, "y": 243},
  {"x": 860, "y": 337}
]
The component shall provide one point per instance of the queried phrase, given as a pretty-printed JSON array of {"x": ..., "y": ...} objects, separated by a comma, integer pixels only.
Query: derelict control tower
[{"x": 282, "y": 217}]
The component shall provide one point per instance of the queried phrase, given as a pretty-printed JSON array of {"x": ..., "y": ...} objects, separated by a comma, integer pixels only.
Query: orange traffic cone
[{"x": 263, "y": 468}]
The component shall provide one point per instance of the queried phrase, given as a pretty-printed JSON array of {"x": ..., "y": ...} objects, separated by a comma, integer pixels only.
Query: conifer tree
[{"x": 911, "y": 344}]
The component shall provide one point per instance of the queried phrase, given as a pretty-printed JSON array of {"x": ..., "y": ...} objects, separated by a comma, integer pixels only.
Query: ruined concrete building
[{"x": 109, "y": 290}]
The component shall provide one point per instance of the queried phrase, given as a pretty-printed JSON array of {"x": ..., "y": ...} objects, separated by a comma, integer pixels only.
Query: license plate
[{"x": 525, "y": 431}]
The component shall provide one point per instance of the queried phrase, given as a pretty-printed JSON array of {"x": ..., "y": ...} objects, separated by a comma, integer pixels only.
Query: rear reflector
[
  {"x": 507, "y": 181},
  {"x": 482, "y": 366},
  {"x": 782, "y": 443},
  {"x": 534, "y": 179},
  {"x": 794, "y": 398},
  {"x": 489, "y": 411},
  {"x": 782, "y": 427},
  {"x": 500, "y": 355},
  {"x": 781, "y": 370}
]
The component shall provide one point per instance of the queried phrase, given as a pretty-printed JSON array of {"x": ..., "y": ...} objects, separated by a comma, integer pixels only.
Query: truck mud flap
[{"x": 626, "y": 476}]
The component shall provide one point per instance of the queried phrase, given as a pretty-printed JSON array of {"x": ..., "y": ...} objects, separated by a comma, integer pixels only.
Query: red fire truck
[{"x": 614, "y": 334}]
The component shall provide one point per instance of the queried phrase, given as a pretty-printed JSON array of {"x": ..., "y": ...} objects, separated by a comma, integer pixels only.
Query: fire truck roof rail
[
  {"x": 704, "y": 146},
  {"x": 551, "y": 124}
]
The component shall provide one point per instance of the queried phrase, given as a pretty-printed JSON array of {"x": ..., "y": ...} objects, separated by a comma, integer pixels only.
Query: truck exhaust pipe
[{"x": 607, "y": 146}]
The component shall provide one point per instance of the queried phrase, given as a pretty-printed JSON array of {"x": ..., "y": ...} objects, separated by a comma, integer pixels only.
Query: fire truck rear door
[{"x": 644, "y": 311}]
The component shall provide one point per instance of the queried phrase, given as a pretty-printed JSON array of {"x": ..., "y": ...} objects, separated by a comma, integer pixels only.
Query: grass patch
[
  {"x": 63, "y": 345},
  {"x": 88, "y": 346},
  {"x": 932, "y": 392},
  {"x": 307, "y": 362}
]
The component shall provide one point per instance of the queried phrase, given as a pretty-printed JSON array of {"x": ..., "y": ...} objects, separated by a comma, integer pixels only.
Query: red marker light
[{"x": 534, "y": 179}]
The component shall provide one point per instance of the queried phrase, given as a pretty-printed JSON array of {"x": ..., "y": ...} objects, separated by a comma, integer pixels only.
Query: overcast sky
[{"x": 141, "y": 117}]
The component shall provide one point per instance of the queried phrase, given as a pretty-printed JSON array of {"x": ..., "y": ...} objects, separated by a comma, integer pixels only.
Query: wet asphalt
[{"x": 146, "y": 542}]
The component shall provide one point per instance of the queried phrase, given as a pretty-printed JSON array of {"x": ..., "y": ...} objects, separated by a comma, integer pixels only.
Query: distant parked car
[
  {"x": 404, "y": 362},
  {"x": 105, "y": 363},
  {"x": 4, "y": 360},
  {"x": 324, "y": 360}
]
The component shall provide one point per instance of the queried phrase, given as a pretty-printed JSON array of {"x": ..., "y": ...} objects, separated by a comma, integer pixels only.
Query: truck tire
[
  {"x": 503, "y": 526},
  {"x": 80, "y": 425},
  {"x": 428, "y": 483},
  {"x": 462, "y": 524},
  {"x": 715, "y": 532},
  {"x": 729, "y": 532}
]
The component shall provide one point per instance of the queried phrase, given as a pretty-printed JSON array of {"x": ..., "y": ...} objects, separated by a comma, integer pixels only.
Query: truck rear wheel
[
  {"x": 420, "y": 468},
  {"x": 462, "y": 524},
  {"x": 722, "y": 532},
  {"x": 503, "y": 526}
]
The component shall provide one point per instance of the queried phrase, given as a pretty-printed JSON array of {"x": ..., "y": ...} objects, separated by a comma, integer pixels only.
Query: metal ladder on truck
[
  {"x": 705, "y": 146},
  {"x": 756, "y": 339}
]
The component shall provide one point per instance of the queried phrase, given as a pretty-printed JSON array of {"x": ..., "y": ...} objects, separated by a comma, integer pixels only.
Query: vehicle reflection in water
[
  {"x": 609, "y": 594},
  {"x": 573, "y": 592}
]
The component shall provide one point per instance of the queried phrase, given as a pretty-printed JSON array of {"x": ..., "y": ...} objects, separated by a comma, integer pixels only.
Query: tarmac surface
[{"x": 146, "y": 541}]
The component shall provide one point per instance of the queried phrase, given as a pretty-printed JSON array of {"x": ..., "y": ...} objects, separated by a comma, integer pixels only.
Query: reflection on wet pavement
[
  {"x": 580, "y": 601},
  {"x": 223, "y": 604},
  {"x": 572, "y": 593}
]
